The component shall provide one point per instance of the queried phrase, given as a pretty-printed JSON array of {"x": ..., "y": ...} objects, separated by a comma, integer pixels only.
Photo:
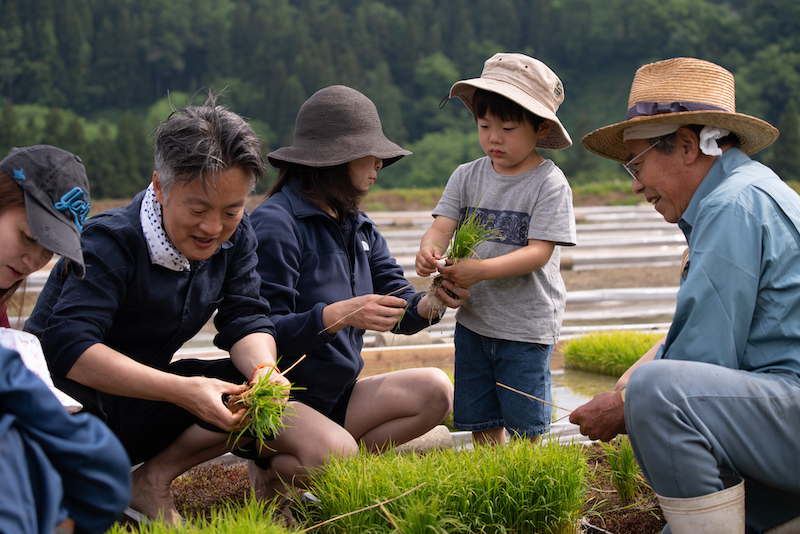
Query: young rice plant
[
  {"x": 469, "y": 234},
  {"x": 264, "y": 403},
  {"x": 625, "y": 472},
  {"x": 609, "y": 352},
  {"x": 519, "y": 488}
]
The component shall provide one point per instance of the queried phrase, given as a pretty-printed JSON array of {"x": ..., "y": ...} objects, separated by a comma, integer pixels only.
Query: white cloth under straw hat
[
  {"x": 526, "y": 81},
  {"x": 682, "y": 91}
]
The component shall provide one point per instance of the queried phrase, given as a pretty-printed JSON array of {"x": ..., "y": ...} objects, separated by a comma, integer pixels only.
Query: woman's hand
[{"x": 367, "y": 312}]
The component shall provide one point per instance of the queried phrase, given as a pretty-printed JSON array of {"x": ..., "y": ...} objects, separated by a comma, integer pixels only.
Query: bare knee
[{"x": 438, "y": 395}]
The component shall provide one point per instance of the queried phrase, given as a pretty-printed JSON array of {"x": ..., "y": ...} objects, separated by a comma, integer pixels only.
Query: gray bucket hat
[
  {"x": 56, "y": 197},
  {"x": 337, "y": 125}
]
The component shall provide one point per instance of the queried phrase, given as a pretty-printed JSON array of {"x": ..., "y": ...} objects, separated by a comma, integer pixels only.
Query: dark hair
[
  {"x": 484, "y": 102},
  {"x": 204, "y": 141},
  {"x": 667, "y": 144},
  {"x": 11, "y": 196},
  {"x": 325, "y": 187}
]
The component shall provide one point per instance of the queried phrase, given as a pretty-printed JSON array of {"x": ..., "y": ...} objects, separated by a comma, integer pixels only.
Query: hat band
[{"x": 657, "y": 108}]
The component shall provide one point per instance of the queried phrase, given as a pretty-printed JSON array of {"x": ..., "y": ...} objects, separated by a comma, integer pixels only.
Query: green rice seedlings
[
  {"x": 230, "y": 518},
  {"x": 519, "y": 488},
  {"x": 470, "y": 233},
  {"x": 625, "y": 472},
  {"x": 608, "y": 352},
  {"x": 265, "y": 406}
]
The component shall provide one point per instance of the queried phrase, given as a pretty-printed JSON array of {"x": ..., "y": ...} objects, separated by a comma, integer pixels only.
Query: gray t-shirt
[{"x": 533, "y": 205}]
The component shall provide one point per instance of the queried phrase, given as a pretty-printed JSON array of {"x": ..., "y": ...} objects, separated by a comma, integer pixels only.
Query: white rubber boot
[
  {"x": 790, "y": 527},
  {"x": 714, "y": 513}
]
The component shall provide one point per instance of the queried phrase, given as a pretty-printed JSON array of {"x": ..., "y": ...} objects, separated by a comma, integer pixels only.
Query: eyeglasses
[{"x": 631, "y": 167}]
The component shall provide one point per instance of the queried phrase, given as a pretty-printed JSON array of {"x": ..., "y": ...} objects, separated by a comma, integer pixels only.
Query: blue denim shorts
[{"x": 480, "y": 404}]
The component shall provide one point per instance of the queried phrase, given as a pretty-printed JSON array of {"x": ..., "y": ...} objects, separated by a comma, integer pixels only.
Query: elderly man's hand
[{"x": 601, "y": 418}]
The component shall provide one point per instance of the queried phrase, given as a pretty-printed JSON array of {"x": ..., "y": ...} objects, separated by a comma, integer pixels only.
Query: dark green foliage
[
  {"x": 9, "y": 129},
  {"x": 101, "y": 59},
  {"x": 785, "y": 160}
]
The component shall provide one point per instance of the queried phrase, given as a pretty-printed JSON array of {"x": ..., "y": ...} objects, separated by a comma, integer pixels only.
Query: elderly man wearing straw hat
[{"x": 713, "y": 410}]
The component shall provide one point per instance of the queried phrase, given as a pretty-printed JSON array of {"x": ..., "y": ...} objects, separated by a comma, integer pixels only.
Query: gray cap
[{"x": 56, "y": 197}]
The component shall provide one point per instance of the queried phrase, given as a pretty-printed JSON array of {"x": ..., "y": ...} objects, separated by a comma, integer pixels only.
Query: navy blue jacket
[
  {"x": 146, "y": 311},
  {"x": 53, "y": 463},
  {"x": 304, "y": 266}
]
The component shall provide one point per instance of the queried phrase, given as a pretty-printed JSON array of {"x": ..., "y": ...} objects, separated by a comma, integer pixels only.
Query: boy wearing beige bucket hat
[
  {"x": 719, "y": 396},
  {"x": 518, "y": 295}
]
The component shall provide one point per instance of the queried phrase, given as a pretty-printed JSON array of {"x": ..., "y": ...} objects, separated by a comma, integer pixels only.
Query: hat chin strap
[{"x": 708, "y": 135}]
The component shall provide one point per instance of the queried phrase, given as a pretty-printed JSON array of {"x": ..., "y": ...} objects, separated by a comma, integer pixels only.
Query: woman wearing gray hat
[
  {"x": 328, "y": 275},
  {"x": 57, "y": 468}
]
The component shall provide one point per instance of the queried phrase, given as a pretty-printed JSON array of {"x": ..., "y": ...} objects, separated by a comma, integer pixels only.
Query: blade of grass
[
  {"x": 380, "y": 504},
  {"x": 532, "y": 397}
]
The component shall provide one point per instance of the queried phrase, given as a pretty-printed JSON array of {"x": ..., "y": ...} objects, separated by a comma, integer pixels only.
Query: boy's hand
[
  {"x": 427, "y": 261},
  {"x": 465, "y": 272},
  {"x": 449, "y": 289}
]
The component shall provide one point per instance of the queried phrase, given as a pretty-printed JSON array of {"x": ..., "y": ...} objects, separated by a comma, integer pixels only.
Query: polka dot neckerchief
[{"x": 162, "y": 251}]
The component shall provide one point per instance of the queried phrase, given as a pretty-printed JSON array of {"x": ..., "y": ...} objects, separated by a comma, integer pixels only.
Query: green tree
[
  {"x": 36, "y": 78},
  {"x": 433, "y": 77},
  {"x": 389, "y": 100},
  {"x": 74, "y": 139},
  {"x": 785, "y": 160},
  {"x": 765, "y": 84},
  {"x": 74, "y": 24},
  {"x": 100, "y": 163},
  {"x": 9, "y": 126},
  {"x": 119, "y": 74},
  {"x": 53, "y": 134},
  {"x": 11, "y": 51},
  {"x": 134, "y": 164},
  {"x": 435, "y": 158}
]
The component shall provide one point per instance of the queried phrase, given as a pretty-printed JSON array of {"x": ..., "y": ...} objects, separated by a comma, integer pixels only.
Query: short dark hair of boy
[{"x": 484, "y": 102}]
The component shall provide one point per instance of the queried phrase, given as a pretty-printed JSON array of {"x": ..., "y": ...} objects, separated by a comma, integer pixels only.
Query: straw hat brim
[
  {"x": 754, "y": 134},
  {"x": 557, "y": 139}
]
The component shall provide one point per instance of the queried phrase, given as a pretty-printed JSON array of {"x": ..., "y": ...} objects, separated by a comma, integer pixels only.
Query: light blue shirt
[{"x": 739, "y": 301}]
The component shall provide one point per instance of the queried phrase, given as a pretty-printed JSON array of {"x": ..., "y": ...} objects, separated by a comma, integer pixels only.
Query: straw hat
[
  {"x": 526, "y": 81},
  {"x": 337, "y": 125},
  {"x": 682, "y": 91}
]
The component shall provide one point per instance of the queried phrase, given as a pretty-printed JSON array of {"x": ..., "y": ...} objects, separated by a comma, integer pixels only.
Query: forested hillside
[{"x": 95, "y": 76}]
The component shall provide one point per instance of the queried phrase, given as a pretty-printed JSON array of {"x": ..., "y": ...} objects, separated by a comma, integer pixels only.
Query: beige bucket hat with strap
[{"x": 526, "y": 81}]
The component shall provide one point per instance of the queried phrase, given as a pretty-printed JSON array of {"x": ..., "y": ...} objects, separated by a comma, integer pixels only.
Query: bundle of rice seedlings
[
  {"x": 625, "y": 472},
  {"x": 265, "y": 405},
  {"x": 517, "y": 488},
  {"x": 609, "y": 352},
  {"x": 470, "y": 233}
]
